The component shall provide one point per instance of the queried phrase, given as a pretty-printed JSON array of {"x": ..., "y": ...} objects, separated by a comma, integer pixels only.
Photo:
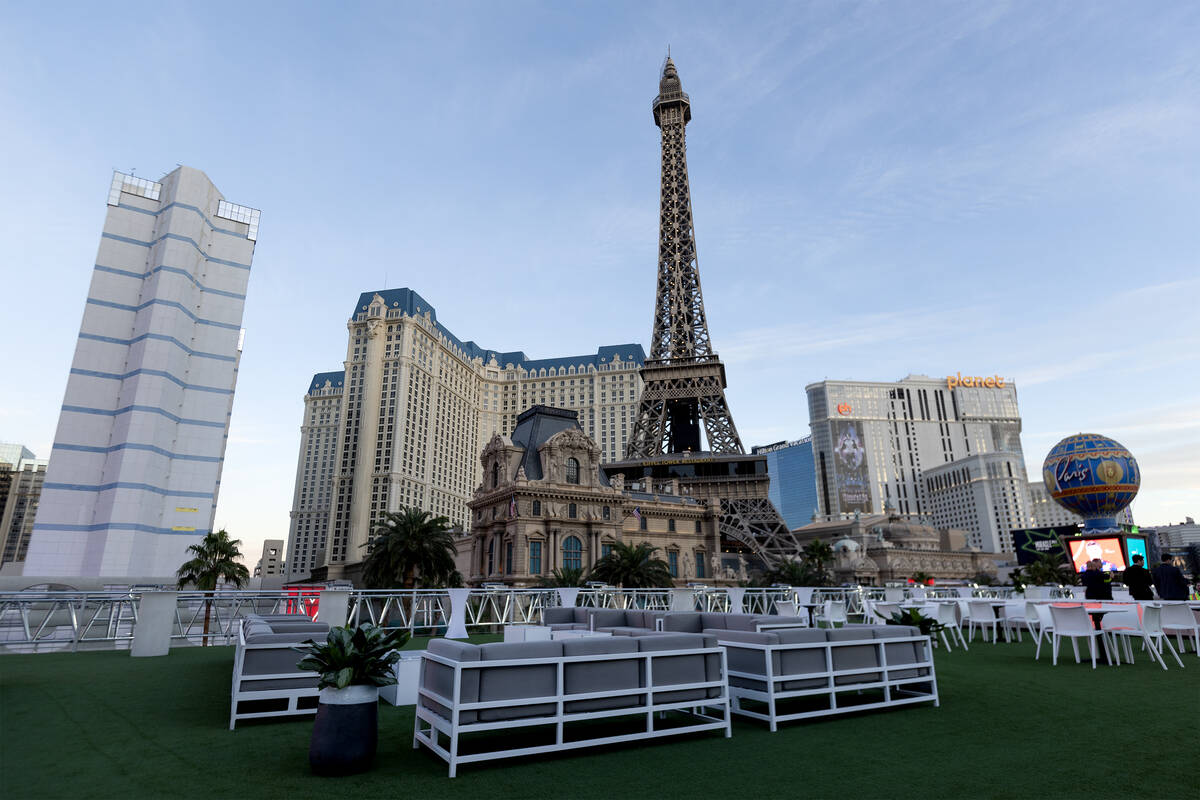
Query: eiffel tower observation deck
[{"x": 684, "y": 393}]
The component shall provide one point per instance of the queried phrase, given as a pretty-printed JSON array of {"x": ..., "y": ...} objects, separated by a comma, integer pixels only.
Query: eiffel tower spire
[{"x": 684, "y": 378}]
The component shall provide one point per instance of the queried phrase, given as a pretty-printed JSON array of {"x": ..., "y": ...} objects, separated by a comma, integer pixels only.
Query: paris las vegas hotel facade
[{"x": 403, "y": 425}]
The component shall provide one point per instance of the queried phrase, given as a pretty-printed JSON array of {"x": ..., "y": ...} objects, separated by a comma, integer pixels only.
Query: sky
[{"x": 879, "y": 189}]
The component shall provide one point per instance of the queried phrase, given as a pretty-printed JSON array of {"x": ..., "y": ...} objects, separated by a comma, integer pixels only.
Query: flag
[
  {"x": 637, "y": 514},
  {"x": 512, "y": 507}
]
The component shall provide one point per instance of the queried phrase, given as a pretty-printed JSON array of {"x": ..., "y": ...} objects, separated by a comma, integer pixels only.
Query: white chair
[
  {"x": 1123, "y": 622},
  {"x": 983, "y": 616},
  {"x": 883, "y": 611},
  {"x": 787, "y": 608},
  {"x": 893, "y": 594},
  {"x": 946, "y": 614},
  {"x": 1178, "y": 620},
  {"x": 833, "y": 612},
  {"x": 1074, "y": 623},
  {"x": 1015, "y": 618},
  {"x": 917, "y": 592},
  {"x": 932, "y": 611},
  {"x": 1153, "y": 626},
  {"x": 1045, "y": 626}
]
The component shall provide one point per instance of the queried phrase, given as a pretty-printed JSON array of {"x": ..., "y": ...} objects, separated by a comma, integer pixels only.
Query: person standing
[
  {"x": 1139, "y": 580},
  {"x": 1096, "y": 583},
  {"x": 1169, "y": 581}
]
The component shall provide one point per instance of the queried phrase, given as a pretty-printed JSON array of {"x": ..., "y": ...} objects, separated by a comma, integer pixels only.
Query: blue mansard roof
[
  {"x": 335, "y": 378},
  {"x": 413, "y": 304}
]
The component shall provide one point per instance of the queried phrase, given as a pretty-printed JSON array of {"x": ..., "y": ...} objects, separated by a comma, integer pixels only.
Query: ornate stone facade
[
  {"x": 875, "y": 549},
  {"x": 544, "y": 505}
]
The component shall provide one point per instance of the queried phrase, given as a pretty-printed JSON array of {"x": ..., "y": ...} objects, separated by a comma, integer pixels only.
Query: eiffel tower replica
[{"x": 684, "y": 379}]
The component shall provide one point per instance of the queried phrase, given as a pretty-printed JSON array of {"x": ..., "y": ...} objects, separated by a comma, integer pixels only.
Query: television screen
[
  {"x": 1108, "y": 550},
  {"x": 1135, "y": 546}
]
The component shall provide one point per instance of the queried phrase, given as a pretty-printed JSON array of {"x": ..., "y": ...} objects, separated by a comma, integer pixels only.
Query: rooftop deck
[{"x": 103, "y": 724}]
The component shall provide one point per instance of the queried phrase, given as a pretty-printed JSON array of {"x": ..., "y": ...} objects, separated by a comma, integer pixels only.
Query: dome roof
[{"x": 1091, "y": 475}]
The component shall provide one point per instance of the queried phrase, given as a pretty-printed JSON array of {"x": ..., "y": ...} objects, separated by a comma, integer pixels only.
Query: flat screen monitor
[
  {"x": 1135, "y": 546},
  {"x": 1107, "y": 549}
]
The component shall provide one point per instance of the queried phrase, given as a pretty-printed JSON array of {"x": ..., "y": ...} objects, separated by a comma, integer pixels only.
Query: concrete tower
[{"x": 136, "y": 465}]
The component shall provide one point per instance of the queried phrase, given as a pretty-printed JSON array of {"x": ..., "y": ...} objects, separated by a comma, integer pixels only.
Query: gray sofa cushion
[
  {"x": 745, "y": 659},
  {"x": 440, "y": 678},
  {"x": 777, "y": 619},
  {"x": 740, "y": 622},
  {"x": 682, "y": 669},
  {"x": 624, "y": 630},
  {"x": 714, "y": 621},
  {"x": 902, "y": 652},
  {"x": 317, "y": 630},
  {"x": 254, "y": 628},
  {"x": 600, "y": 676},
  {"x": 558, "y": 615},
  {"x": 510, "y": 683},
  {"x": 683, "y": 622},
  {"x": 853, "y": 657},
  {"x": 582, "y": 614},
  {"x": 804, "y": 661},
  {"x": 567, "y": 626},
  {"x": 608, "y": 618}
]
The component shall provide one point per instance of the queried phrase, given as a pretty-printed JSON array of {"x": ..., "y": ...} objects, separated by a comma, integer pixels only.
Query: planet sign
[{"x": 1092, "y": 476}]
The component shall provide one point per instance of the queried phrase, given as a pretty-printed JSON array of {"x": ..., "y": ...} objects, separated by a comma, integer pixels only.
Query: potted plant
[
  {"x": 353, "y": 664},
  {"x": 910, "y": 616}
]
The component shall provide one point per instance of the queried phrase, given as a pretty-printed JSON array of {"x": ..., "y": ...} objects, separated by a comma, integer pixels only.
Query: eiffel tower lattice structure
[{"x": 684, "y": 379}]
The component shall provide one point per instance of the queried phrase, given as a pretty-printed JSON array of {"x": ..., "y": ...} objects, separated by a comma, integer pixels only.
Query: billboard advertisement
[
  {"x": 1135, "y": 546},
  {"x": 1031, "y": 543},
  {"x": 1107, "y": 549},
  {"x": 850, "y": 463}
]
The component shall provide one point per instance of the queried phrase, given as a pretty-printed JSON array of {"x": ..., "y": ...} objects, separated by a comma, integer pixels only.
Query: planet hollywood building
[{"x": 943, "y": 450}]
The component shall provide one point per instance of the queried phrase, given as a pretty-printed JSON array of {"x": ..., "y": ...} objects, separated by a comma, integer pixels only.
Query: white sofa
[
  {"x": 266, "y": 682},
  {"x": 782, "y": 675},
  {"x": 467, "y": 691}
]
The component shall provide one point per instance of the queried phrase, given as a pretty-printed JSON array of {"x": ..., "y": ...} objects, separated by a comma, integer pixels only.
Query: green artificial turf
[{"x": 107, "y": 725}]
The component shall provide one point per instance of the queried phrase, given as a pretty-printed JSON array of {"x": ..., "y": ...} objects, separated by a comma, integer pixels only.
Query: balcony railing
[{"x": 70, "y": 621}]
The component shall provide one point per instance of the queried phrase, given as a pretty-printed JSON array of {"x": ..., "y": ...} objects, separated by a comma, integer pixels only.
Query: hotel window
[
  {"x": 572, "y": 471},
  {"x": 508, "y": 553},
  {"x": 537, "y": 508},
  {"x": 606, "y": 513},
  {"x": 495, "y": 474},
  {"x": 572, "y": 510},
  {"x": 572, "y": 553},
  {"x": 642, "y": 526},
  {"x": 673, "y": 563},
  {"x": 605, "y": 549},
  {"x": 699, "y": 563},
  {"x": 671, "y": 525},
  {"x": 535, "y": 558}
]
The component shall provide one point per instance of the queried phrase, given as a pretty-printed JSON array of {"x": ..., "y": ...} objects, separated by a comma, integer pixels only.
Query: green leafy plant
[
  {"x": 911, "y": 617},
  {"x": 358, "y": 656},
  {"x": 564, "y": 577},
  {"x": 632, "y": 567}
]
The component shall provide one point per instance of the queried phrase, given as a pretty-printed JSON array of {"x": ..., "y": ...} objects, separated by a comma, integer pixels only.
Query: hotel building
[
  {"x": 135, "y": 470},
  {"x": 21, "y": 478},
  {"x": 402, "y": 425},
  {"x": 875, "y": 444},
  {"x": 793, "y": 483}
]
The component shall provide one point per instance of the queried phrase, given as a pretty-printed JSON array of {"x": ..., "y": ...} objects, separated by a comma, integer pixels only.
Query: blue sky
[{"x": 879, "y": 189}]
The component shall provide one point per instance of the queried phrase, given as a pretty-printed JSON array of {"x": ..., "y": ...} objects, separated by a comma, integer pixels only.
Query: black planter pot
[{"x": 346, "y": 731}]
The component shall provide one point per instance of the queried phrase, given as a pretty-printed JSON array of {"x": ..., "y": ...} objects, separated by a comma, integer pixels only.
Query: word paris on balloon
[{"x": 957, "y": 379}]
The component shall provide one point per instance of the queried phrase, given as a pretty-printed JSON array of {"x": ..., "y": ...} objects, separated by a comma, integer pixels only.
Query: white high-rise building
[
  {"x": 136, "y": 466},
  {"x": 873, "y": 443},
  {"x": 404, "y": 424}
]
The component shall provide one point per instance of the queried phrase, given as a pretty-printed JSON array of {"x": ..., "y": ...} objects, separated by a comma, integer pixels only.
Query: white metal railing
[{"x": 73, "y": 620}]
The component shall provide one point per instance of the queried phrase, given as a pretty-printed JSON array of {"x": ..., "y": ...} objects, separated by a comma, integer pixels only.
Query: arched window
[
  {"x": 572, "y": 553},
  {"x": 572, "y": 471},
  {"x": 495, "y": 474}
]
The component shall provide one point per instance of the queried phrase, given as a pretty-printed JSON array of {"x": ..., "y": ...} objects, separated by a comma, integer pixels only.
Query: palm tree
[
  {"x": 789, "y": 571},
  {"x": 1048, "y": 569},
  {"x": 567, "y": 577},
  {"x": 633, "y": 567},
  {"x": 816, "y": 555},
  {"x": 411, "y": 549},
  {"x": 215, "y": 561}
]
